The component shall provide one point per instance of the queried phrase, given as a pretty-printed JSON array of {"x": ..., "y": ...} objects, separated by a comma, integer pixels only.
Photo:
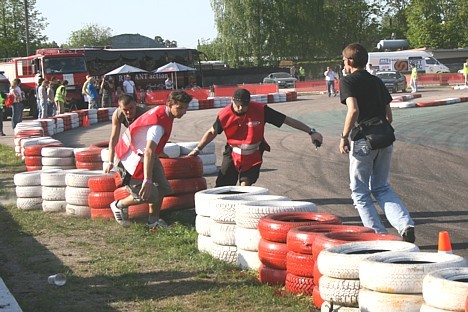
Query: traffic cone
[
  {"x": 444, "y": 243},
  {"x": 85, "y": 121}
]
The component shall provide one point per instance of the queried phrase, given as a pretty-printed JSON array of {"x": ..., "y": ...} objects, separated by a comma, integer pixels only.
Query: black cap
[{"x": 241, "y": 97}]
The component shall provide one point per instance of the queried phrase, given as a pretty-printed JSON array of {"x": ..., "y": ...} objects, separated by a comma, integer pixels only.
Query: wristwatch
[{"x": 312, "y": 131}]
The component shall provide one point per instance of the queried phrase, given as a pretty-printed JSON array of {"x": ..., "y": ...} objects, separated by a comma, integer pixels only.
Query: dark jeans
[
  {"x": 17, "y": 114},
  {"x": 1, "y": 120},
  {"x": 331, "y": 87}
]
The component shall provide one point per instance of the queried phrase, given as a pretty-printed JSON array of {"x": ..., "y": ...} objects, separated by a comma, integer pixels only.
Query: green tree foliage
[
  {"x": 92, "y": 35},
  {"x": 393, "y": 18},
  {"x": 13, "y": 29}
]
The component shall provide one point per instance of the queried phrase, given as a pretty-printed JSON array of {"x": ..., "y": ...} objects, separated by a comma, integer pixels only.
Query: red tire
[
  {"x": 102, "y": 214},
  {"x": 117, "y": 180},
  {"x": 317, "y": 274},
  {"x": 33, "y": 168},
  {"x": 103, "y": 183},
  {"x": 89, "y": 165},
  {"x": 269, "y": 275},
  {"x": 184, "y": 186},
  {"x": 35, "y": 150},
  {"x": 33, "y": 160},
  {"x": 121, "y": 193},
  {"x": 275, "y": 227},
  {"x": 272, "y": 254},
  {"x": 138, "y": 211},
  {"x": 182, "y": 167},
  {"x": 181, "y": 201},
  {"x": 300, "y": 264},
  {"x": 299, "y": 285},
  {"x": 338, "y": 238},
  {"x": 99, "y": 145},
  {"x": 88, "y": 156},
  {"x": 316, "y": 298},
  {"x": 100, "y": 199},
  {"x": 301, "y": 239}
]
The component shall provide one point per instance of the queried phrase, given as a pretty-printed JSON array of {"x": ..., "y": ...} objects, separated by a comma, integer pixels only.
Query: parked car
[
  {"x": 393, "y": 80},
  {"x": 283, "y": 80},
  {"x": 4, "y": 89}
]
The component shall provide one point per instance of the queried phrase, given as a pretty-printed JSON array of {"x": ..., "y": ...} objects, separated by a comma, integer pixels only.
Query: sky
[{"x": 185, "y": 21}]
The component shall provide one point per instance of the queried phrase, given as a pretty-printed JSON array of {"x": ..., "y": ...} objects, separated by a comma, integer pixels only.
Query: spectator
[
  {"x": 2, "y": 104},
  {"x": 43, "y": 100},
  {"x": 330, "y": 79},
  {"x": 129, "y": 86},
  {"x": 61, "y": 97},
  {"x": 92, "y": 93},
  {"x": 301, "y": 74},
  {"x": 168, "y": 84},
  {"x": 465, "y": 72},
  {"x": 52, "y": 109},
  {"x": 106, "y": 92},
  {"x": 17, "y": 107},
  {"x": 414, "y": 79}
]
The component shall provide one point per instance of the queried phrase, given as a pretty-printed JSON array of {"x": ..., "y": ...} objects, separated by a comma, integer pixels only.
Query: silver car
[{"x": 283, "y": 80}]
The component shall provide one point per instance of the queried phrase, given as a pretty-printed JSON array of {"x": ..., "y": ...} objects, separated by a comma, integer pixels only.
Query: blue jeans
[
  {"x": 331, "y": 87},
  {"x": 16, "y": 114},
  {"x": 368, "y": 171},
  {"x": 43, "y": 110}
]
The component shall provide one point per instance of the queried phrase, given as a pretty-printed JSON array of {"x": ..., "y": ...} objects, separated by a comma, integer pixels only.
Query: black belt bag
[{"x": 378, "y": 132}]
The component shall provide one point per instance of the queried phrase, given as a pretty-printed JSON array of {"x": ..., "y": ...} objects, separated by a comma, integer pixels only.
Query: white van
[{"x": 403, "y": 60}]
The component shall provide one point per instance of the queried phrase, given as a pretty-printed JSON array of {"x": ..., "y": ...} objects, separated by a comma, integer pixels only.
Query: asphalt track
[{"x": 429, "y": 167}]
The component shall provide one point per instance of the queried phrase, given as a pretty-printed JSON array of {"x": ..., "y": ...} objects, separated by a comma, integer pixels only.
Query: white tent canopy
[{"x": 125, "y": 69}]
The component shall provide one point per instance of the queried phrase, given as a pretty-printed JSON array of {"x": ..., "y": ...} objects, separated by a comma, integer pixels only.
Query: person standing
[
  {"x": 465, "y": 72},
  {"x": 330, "y": 79},
  {"x": 2, "y": 104},
  {"x": 129, "y": 86},
  {"x": 52, "y": 109},
  {"x": 243, "y": 123},
  {"x": 61, "y": 97},
  {"x": 414, "y": 79},
  {"x": 106, "y": 92},
  {"x": 168, "y": 84},
  {"x": 92, "y": 93},
  {"x": 138, "y": 161},
  {"x": 366, "y": 97},
  {"x": 301, "y": 74},
  {"x": 17, "y": 107},
  {"x": 43, "y": 100},
  {"x": 293, "y": 71}
]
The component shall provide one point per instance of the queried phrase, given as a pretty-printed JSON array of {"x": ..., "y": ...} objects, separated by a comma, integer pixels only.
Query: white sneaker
[{"x": 119, "y": 214}]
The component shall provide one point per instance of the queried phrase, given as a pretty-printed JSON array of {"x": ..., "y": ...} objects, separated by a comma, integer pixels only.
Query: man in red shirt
[{"x": 243, "y": 123}]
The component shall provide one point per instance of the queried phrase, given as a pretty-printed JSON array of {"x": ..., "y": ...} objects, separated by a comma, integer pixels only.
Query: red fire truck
[{"x": 47, "y": 63}]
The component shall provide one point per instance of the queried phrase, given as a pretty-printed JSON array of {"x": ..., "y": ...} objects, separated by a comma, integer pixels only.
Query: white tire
[
  {"x": 247, "y": 260},
  {"x": 248, "y": 214},
  {"x": 209, "y": 169},
  {"x": 224, "y": 253},
  {"x": 370, "y": 301},
  {"x": 53, "y": 193},
  {"x": 247, "y": 239},
  {"x": 29, "y": 191},
  {"x": 29, "y": 178},
  {"x": 208, "y": 159},
  {"x": 78, "y": 211},
  {"x": 385, "y": 272},
  {"x": 428, "y": 308},
  {"x": 105, "y": 154},
  {"x": 58, "y": 161},
  {"x": 222, "y": 233},
  {"x": 203, "y": 225},
  {"x": 187, "y": 147},
  {"x": 332, "y": 307},
  {"x": 33, "y": 203},
  {"x": 57, "y": 152},
  {"x": 77, "y": 195},
  {"x": 172, "y": 150},
  {"x": 79, "y": 178},
  {"x": 54, "y": 206},
  {"x": 203, "y": 198},
  {"x": 48, "y": 168},
  {"x": 342, "y": 261},
  {"x": 341, "y": 291},
  {"x": 204, "y": 243},
  {"x": 446, "y": 288},
  {"x": 224, "y": 208},
  {"x": 53, "y": 177}
]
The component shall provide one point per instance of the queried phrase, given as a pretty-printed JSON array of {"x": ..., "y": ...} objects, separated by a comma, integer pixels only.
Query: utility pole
[{"x": 26, "y": 15}]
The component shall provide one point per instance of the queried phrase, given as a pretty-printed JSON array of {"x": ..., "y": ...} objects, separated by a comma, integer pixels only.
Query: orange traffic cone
[
  {"x": 85, "y": 121},
  {"x": 444, "y": 243}
]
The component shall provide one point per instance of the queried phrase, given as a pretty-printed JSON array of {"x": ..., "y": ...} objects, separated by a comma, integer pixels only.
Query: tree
[
  {"x": 92, "y": 35},
  {"x": 13, "y": 29}
]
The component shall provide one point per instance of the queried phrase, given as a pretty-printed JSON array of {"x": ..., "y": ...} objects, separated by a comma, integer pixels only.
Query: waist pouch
[{"x": 378, "y": 132}]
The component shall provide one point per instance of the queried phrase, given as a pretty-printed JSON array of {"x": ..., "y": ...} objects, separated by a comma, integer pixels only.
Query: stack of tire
[
  {"x": 275, "y": 254},
  {"x": 102, "y": 114},
  {"x": 57, "y": 158},
  {"x": 446, "y": 290},
  {"x": 33, "y": 155},
  {"x": 207, "y": 155},
  {"x": 88, "y": 158},
  {"x": 135, "y": 211},
  {"x": 204, "y": 207},
  {"x": 53, "y": 190},
  {"x": 224, "y": 230},
  {"x": 28, "y": 190},
  {"x": 301, "y": 241},
  {"x": 105, "y": 158},
  {"x": 101, "y": 196},
  {"x": 339, "y": 266},
  {"x": 393, "y": 281},
  {"x": 92, "y": 116},
  {"x": 48, "y": 125},
  {"x": 59, "y": 126},
  {"x": 185, "y": 175},
  {"x": 77, "y": 192},
  {"x": 73, "y": 119},
  {"x": 66, "y": 120}
]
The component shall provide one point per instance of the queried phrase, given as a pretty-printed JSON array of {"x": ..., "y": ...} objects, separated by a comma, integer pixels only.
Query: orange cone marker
[
  {"x": 85, "y": 121},
  {"x": 444, "y": 243}
]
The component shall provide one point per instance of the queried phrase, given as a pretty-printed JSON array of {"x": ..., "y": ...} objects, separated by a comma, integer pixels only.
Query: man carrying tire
[
  {"x": 138, "y": 162},
  {"x": 243, "y": 123}
]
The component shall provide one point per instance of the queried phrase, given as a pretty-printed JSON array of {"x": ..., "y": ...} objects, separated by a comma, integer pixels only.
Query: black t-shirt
[
  {"x": 371, "y": 94},
  {"x": 271, "y": 116}
]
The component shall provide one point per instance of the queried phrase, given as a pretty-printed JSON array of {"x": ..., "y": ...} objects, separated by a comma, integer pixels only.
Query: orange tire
[
  {"x": 121, "y": 193},
  {"x": 88, "y": 155},
  {"x": 275, "y": 227},
  {"x": 182, "y": 167},
  {"x": 316, "y": 298},
  {"x": 89, "y": 165},
  {"x": 33, "y": 168},
  {"x": 300, "y": 264},
  {"x": 100, "y": 199},
  {"x": 299, "y": 284},
  {"x": 103, "y": 183},
  {"x": 190, "y": 185},
  {"x": 317, "y": 274},
  {"x": 177, "y": 202},
  {"x": 138, "y": 211},
  {"x": 117, "y": 180},
  {"x": 102, "y": 214},
  {"x": 269, "y": 275},
  {"x": 272, "y": 254},
  {"x": 99, "y": 145},
  {"x": 33, "y": 160}
]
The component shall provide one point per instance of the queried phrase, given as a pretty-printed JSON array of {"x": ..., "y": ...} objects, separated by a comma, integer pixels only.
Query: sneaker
[
  {"x": 3, "y": 134},
  {"x": 408, "y": 235},
  {"x": 159, "y": 224},
  {"x": 120, "y": 214}
]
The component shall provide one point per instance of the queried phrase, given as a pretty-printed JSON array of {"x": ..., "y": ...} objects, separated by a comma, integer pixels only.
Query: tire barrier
[
  {"x": 136, "y": 211},
  {"x": 182, "y": 167},
  {"x": 89, "y": 159},
  {"x": 77, "y": 192},
  {"x": 207, "y": 155},
  {"x": 269, "y": 275},
  {"x": 299, "y": 284},
  {"x": 28, "y": 190}
]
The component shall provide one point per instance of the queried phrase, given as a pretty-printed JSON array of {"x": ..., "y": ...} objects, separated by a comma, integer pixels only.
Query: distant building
[{"x": 132, "y": 41}]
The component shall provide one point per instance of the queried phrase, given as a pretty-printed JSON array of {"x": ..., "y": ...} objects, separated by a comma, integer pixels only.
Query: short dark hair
[
  {"x": 356, "y": 54},
  {"x": 65, "y": 82},
  {"x": 125, "y": 99},
  {"x": 179, "y": 97}
]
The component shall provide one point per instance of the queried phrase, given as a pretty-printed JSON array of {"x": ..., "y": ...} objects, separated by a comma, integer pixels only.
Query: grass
[{"x": 110, "y": 268}]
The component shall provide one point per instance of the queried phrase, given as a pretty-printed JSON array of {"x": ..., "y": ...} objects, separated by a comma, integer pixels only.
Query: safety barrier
[
  {"x": 159, "y": 97},
  {"x": 438, "y": 79},
  {"x": 314, "y": 86},
  {"x": 252, "y": 88}
]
